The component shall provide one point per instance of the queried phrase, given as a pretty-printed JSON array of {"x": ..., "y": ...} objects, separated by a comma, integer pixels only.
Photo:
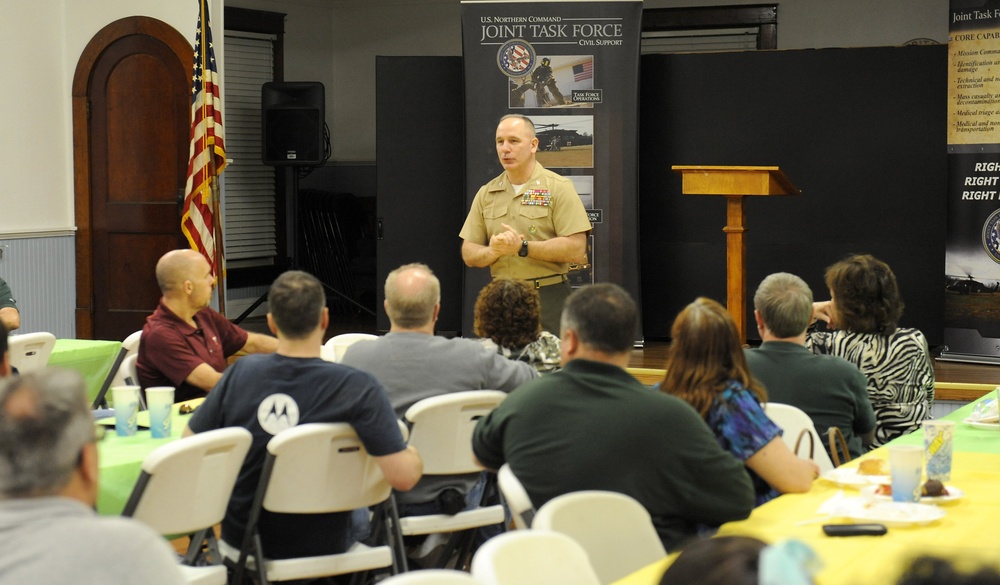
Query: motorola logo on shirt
[{"x": 278, "y": 412}]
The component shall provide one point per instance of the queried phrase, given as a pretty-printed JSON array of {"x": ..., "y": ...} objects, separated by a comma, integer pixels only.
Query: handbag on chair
[{"x": 838, "y": 446}]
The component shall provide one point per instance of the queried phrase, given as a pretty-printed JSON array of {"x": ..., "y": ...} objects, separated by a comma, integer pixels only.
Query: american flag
[
  {"x": 200, "y": 222},
  {"x": 583, "y": 71}
]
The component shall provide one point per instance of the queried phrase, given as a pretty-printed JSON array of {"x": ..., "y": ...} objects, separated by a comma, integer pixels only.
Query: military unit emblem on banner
[
  {"x": 991, "y": 236},
  {"x": 516, "y": 57},
  {"x": 536, "y": 197}
]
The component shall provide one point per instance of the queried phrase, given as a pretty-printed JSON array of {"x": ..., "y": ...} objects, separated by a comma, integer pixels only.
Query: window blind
[{"x": 249, "y": 202}]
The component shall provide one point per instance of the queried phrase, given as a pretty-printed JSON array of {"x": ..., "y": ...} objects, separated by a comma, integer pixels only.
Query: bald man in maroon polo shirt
[{"x": 185, "y": 342}]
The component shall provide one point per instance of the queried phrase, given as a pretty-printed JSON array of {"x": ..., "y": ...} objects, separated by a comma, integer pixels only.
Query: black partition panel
[
  {"x": 862, "y": 132},
  {"x": 421, "y": 174}
]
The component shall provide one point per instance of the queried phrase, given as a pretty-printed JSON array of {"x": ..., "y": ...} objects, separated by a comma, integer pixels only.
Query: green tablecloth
[
  {"x": 120, "y": 459},
  {"x": 967, "y": 438},
  {"x": 92, "y": 358}
]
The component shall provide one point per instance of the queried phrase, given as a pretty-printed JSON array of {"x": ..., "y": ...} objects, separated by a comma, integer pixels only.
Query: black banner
[{"x": 573, "y": 68}]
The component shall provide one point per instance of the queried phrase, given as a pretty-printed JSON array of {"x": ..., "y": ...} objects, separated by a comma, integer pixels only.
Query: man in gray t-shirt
[
  {"x": 49, "y": 532},
  {"x": 412, "y": 363}
]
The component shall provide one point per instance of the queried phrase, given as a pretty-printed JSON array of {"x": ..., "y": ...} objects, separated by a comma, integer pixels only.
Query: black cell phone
[{"x": 854, "y": 529}]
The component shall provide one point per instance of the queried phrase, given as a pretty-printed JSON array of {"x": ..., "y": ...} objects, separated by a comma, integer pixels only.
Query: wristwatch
[{"x": 523, "y": 252}]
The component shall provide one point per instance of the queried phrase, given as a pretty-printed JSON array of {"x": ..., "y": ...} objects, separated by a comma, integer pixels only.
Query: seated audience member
[
  {"x": 295, "y": 381},
  {"x": 592, "y": 426},
  {"x": 185, "y": 342},
  {"x": 9, "y": 315},
  {"x": 926, "y": 570},
  {"x": 741, "y": 560},
  {"x": 49, "y": 531},
  {"x": 863, "y": 314},
  {"x": 412, "y": 363},
  {"x": 831, "y": 390},
  {"x": 508, "y": 317},
  {"x": 707, "y": 369}
]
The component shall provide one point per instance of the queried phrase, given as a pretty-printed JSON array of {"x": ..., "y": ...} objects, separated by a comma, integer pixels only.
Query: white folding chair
[
  {"x": 115, "y": 375},
  {"x": 532, "y": 557},
  {"x": 338, "y": 344},
  {"x": 314, "y": 468},
  {"x": 794, "y": 421},
  {"x": 516, "y": 497},
  {"x": 615, "y": 530},
  {"x": 129, "y": 376},
  {"x": 184, "y": 488},
  {"x": 29, "y": 352},
  {"x": 432, "y": 577},
  {"x": 441, "y": 430},
  {"x": 129, "y": 347}
]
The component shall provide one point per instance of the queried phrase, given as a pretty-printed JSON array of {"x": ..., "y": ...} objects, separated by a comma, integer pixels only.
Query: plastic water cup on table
[
  {"x": 160, "y": 401},
  {"x": 939, "y": 436},
  {"x": 907, "y": 463},
  {"x": 125, "y": 400}
]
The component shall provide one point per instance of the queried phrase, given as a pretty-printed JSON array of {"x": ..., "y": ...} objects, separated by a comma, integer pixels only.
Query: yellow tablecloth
[
  {"x": 120, "y": 459},
  {"x": 965, "y": 534}
]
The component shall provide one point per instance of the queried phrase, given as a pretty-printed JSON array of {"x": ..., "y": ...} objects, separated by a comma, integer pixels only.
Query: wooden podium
[{"x": 735, "y": 183}]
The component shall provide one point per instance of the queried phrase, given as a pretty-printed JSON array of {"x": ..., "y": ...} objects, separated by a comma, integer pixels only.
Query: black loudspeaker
[{"x": 293, "y": 118}]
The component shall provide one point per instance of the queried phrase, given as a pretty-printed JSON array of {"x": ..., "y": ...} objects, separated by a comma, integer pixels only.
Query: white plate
[
  {"x": 896, "y": 513},
  {"x": 990, "y": 426},
  {"x": 849, "y": 476},
  {"x": 954, "y": 493}
]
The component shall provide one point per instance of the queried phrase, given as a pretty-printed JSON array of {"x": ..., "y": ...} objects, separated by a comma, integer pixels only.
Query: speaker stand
[{"x": 293, "y": 223}]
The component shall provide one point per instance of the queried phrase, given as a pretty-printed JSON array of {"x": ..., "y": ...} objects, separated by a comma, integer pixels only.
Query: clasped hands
[{"x": 507, "y": 242}]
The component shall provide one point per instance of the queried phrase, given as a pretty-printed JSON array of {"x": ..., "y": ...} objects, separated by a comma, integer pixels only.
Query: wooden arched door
[{"x": 131, "y": 124}]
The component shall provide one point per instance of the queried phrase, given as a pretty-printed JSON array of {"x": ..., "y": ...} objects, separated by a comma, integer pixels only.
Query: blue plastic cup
[{"x": 125, "y": 400}]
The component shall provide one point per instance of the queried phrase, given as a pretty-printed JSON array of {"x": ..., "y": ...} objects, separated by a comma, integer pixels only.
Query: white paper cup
[
  {"x": 160, "y": 401},
  {"x": 939, "y": 435},
  {"x": 907, "y": 462},
  {"x": 125, "y": 400}
]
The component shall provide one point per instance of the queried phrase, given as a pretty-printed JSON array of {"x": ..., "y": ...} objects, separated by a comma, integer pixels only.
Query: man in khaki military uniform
[{"x": 527, "y": 223}]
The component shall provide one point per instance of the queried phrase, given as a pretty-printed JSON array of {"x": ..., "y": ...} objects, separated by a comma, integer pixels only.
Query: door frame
[{"x": 82, "y": 195}]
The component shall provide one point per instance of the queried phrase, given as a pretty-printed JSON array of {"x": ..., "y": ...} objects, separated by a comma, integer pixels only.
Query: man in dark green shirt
[
  {"x": 592, "y": 426},
  {"x": 831, "y": 390}
]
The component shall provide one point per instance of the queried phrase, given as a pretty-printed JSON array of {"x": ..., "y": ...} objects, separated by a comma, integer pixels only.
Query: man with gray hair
[
  {"x": 831, "y": 390},
  {"x": 412, "y": 363},
  {"x": 592, "y": 426},
  {"x": 49, "y": 532}
]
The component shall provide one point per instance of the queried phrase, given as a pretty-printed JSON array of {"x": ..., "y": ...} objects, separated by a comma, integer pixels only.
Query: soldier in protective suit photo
[{"x": 542, "y": 78}]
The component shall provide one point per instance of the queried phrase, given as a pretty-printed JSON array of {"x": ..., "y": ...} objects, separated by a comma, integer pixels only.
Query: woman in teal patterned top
[{"x": 707, "y": 369}]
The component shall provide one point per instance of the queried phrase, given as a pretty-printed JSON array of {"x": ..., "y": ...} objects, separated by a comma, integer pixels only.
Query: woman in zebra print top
[{"x": 863, "y": 313}]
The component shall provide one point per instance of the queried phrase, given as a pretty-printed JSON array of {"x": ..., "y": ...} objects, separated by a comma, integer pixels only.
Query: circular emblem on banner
[
  {"x": 277, "y": 413},
  {"x": 515, "y": 58},
  {"x": 991, "y": 236}
]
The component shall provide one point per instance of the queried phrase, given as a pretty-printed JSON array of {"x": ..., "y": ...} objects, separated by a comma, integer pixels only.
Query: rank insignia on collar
[{"x": 536, "y": 197}]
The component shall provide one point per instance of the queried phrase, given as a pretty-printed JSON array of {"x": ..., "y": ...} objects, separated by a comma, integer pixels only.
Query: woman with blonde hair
[{"x": 706, "y": 368}]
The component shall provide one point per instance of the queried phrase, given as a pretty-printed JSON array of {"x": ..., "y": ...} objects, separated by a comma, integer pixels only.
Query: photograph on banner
[
  {"x": 553, "y": 82},
  {"x": 564, "y": 141},
  {"x": 584, "y": 185}
]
